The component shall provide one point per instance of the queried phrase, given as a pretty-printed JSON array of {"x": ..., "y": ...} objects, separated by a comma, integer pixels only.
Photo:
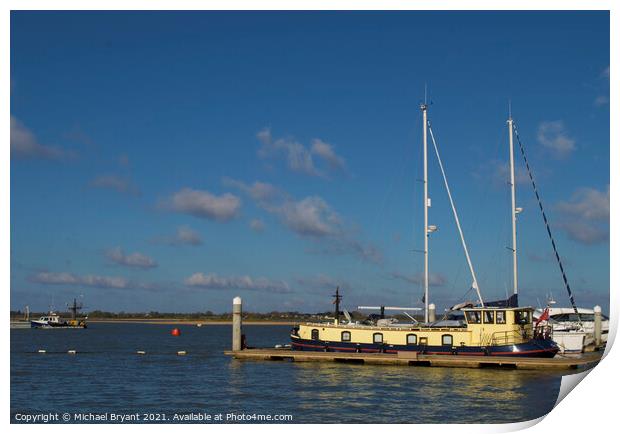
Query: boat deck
[{"x": 410, "y": 358}]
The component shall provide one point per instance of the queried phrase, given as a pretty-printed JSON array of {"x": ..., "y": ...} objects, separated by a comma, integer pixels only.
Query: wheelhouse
[{"x": 521, "y": 316}]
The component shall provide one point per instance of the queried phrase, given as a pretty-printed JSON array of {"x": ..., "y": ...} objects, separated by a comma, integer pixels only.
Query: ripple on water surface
[{"x": 106, "y": 375}]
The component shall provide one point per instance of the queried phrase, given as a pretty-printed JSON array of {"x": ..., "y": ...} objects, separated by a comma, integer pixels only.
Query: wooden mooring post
[
  {"x": 236, "y": 324},
  {"x": 598, "y": 326}
]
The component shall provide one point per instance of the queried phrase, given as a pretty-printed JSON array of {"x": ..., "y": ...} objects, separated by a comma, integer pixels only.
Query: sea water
[{"x": 107, "y": 381}]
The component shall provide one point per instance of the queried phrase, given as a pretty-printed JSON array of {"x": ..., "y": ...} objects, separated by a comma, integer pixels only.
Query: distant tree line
[{"x": 207, "y": 316}]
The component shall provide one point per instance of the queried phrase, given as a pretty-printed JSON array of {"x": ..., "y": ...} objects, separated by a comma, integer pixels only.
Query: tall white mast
[
  {"x": 513, "y": 209},
  {"x": 424, "y": 108}
]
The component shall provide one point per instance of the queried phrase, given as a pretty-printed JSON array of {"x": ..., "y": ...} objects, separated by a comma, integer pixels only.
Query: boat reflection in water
[{"x": 423, "y": 395}]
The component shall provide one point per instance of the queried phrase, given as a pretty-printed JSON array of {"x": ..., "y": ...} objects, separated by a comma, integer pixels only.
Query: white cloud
[
  {"x": 186, "y": 235},
  {"x": 260, "y": 192},
  {"x": 585, "y": 217},
  {"x": 311, "y": 218},
  {"x": 64, "y": 278},
  {"x": 257, "y": 225},
  {"x": 298, "y": 157},
  {"x": 584, "y": 232},
  {"x": 323, "y": 282},
  {"x": 213, "y": 281},
  {"x": 587, "y": 204},
  {"x": 501, "y": 173},
  {"x": 115, "y": 182},
  {"x": 264, "y": 136},
  {"x": 134, "y": 260},
  {"x": 203, "y": 204},
  {"x": 434, "y": 279},
  {"x": 24, "y": 144},
  {"x": 326, "y": 152},
  {"x": 553, "y": 136},
  {"x": 601, "y": 100},
  {"x": 605, "y": 72}
]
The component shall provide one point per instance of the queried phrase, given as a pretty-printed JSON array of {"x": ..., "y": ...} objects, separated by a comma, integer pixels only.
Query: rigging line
[
  {"x": 540, "y": 205},
  {"x": 456, "y": 216}
]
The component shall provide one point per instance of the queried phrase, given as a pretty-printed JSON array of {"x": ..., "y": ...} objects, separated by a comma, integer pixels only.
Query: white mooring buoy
[
  {"x": 71, "y": 352},
  {"x": 181, "y": 353},
  {"x": 42, "y": 351},
  {"x": 140, "y": 352}
]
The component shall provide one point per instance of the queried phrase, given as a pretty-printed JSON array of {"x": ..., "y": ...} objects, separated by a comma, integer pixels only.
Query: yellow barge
[{"x": 488, "y": 331}]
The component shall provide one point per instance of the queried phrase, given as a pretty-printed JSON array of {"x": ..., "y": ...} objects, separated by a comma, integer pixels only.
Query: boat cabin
[
  {"x": 520, "y": 316},
  {"x": 481, "y": 326},
  {"x": 53, "y": 319}
]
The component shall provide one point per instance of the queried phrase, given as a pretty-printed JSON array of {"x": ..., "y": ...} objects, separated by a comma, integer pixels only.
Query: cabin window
[
  {"x": 345, "y": 336},
  {"x": 473, "y": 316},
  {"x": 446, "y": 340},
  {"x": 315, "y": 334},
  {"x": 573, "y": 317},
  {"x": 423, "y": 341},
  {"x": 500, "y": 317},
  {"x": 487, "y": 316},
  {"x": 523, "y": 317},
  {"x": 412, "y": 339},
  {"x": 377, "y": 338}
]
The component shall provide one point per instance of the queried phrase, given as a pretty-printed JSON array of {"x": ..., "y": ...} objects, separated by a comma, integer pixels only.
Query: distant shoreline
[{"x": 172, "y": 321}]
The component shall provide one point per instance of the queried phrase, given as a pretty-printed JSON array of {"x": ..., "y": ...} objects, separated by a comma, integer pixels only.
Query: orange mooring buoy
[{"x": 175, "y": 332}]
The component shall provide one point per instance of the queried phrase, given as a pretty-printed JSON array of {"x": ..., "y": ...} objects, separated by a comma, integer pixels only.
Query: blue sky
[{"x": 170, "y": 161}]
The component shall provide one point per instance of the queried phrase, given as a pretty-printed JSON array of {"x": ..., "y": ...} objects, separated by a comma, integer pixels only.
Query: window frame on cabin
[
  {"x": 475, "y": 313},
  {"x": 519, "y": 319},
  {"x": 415, "y": 339},
  {"x": 503, "y": 315},
  {"x": 374, "y": 338},
  {"x": 314, "y": 334},
  {"x": 484, "y": 317},
  {"x": 343, "y": 334},
  {"x": 443, "y": 337}
]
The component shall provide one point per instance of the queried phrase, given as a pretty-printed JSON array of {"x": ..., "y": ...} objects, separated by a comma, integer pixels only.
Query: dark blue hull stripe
[{"x": 532, "y": 348}]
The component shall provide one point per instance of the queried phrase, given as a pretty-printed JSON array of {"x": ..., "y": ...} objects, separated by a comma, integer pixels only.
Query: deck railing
[
  {"x": 517, "y": 336},
  {"x": 510, "y": 337}
]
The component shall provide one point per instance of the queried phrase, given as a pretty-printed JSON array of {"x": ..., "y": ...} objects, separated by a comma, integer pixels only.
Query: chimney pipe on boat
[
  {"x": 431, "y": 313},
  {"x": 337, "y": 298}
]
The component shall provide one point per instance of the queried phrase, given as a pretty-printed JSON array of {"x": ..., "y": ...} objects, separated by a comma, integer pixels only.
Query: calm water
[{"x": 107, "y": 376}]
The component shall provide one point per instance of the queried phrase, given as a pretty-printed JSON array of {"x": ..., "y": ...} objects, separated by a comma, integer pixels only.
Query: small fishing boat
[
  {"x": 500, "y": 328},
  {"x": 52, "y": 320}
]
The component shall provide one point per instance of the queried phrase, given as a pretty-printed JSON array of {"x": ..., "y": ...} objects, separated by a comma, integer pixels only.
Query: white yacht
[{"x": 568, "y": 333}]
